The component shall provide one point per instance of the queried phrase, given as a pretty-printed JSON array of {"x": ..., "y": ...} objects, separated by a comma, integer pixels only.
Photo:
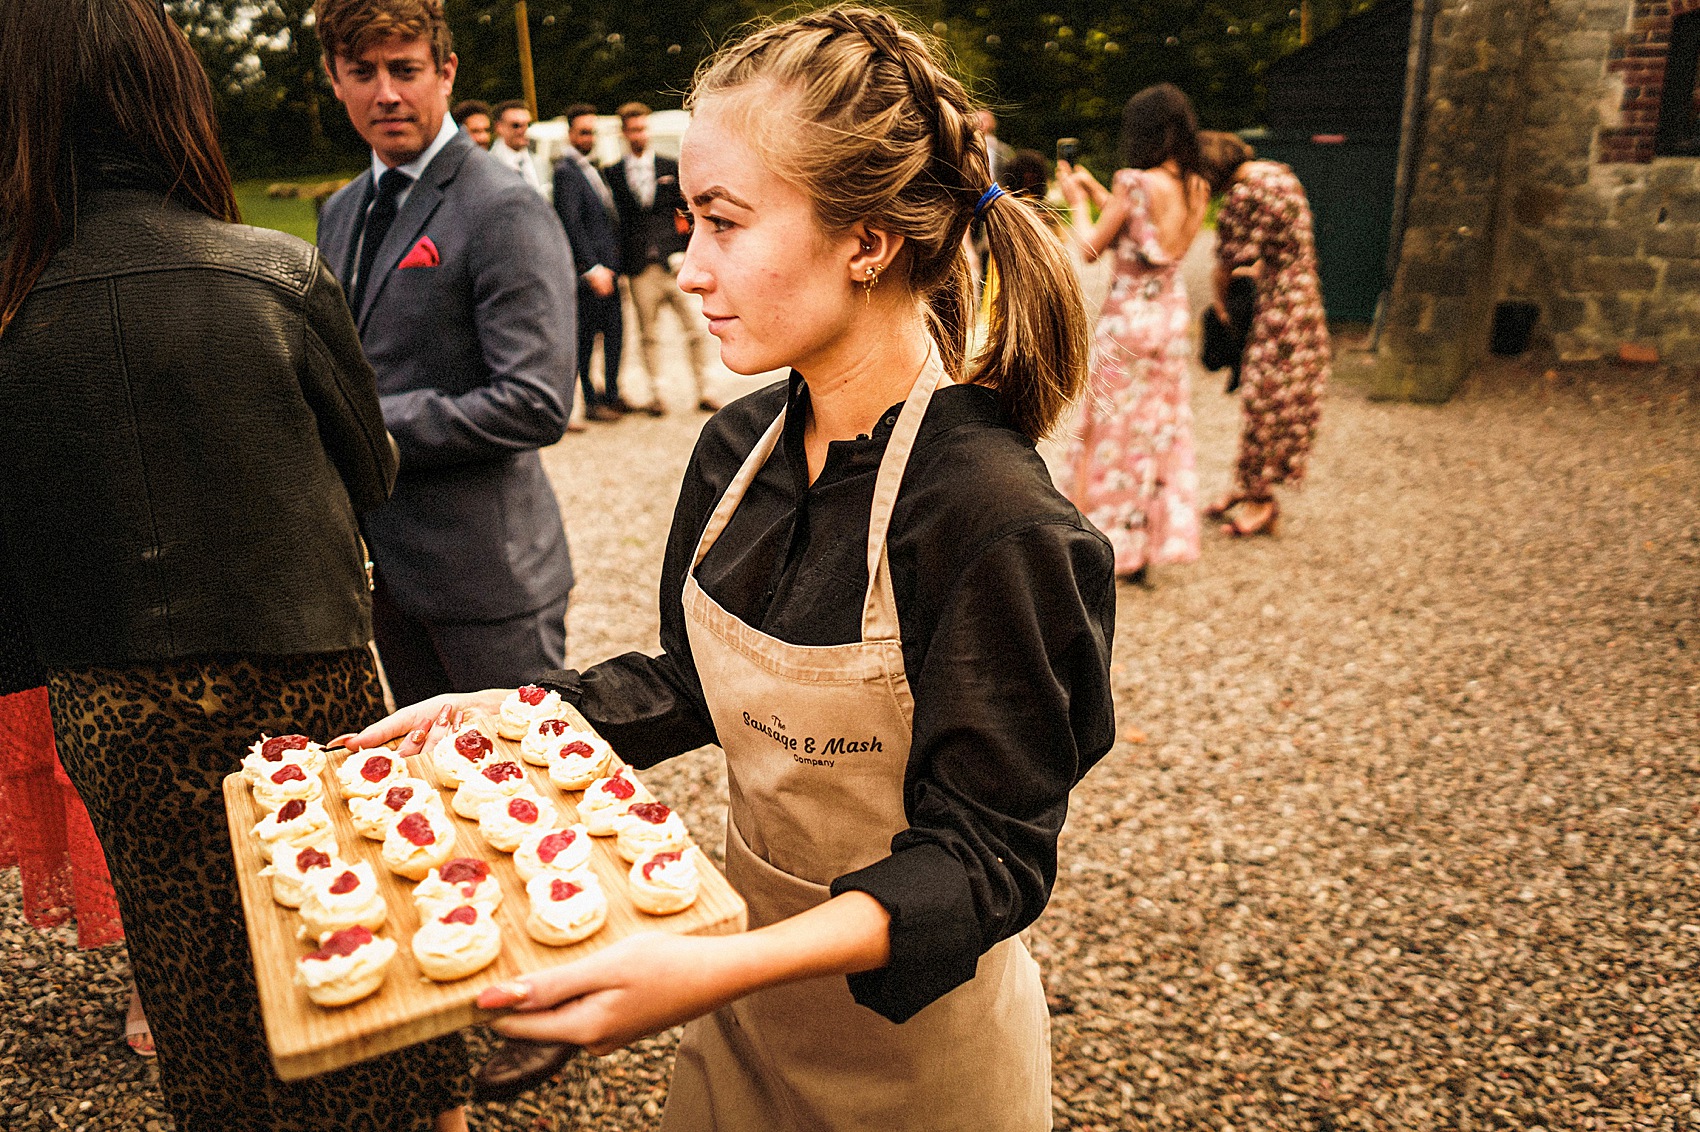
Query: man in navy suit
[
  {"x": 586, "y": 208},
  {"x": 460, "y": 283}
]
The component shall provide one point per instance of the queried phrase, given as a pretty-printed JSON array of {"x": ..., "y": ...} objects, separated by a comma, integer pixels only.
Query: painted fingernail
[
  {"x": 418, "y": 736},
  {"x": 502, "y": 995}
]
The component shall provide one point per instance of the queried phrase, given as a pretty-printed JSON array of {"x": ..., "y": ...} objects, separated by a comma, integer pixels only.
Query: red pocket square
[{"x": 424, "y": 254}]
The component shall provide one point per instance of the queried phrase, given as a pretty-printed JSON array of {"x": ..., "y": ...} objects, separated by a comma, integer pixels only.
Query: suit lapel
[{"x": 422, "y": 201}]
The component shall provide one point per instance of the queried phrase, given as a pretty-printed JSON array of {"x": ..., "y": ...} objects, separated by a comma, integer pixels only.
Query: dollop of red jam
[
  {"x": 473, "y": 745},
  {"x": 532, "y": 694},
  {"x": 554, "y": 845},
  {"x": 347, "y": 882},
  {"x": 619, "y": 786},
  {"x": 417, "y": 829},
  {"x": 523, "y": 809},
  {"x": 377, "y": 768},
  {"x": 657, "y": 861},
  {"x": 292, "y": 809},
  {"x": 398, "y": 797},
  {"x": 289, "y": 772},
  {"x": 343, "y": 943},
  {"x": 554, "y": 727},
  {"x": 652, "y": 812},
  {"x": 272, "y": 749},
  {"x": 463, "y": 869},
  {"x": 311, "y": 858},
  {"x": 465, "y": 914},
  {"x": 578, "y": 748},
  {"x": 502, "y": 772},
  {"x": 563, "y": 890}
]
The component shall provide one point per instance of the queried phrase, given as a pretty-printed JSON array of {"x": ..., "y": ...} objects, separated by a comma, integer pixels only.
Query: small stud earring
[{"x": 868, "y": 284}]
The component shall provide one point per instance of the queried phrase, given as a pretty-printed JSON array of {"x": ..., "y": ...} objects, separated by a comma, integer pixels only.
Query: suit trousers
[
  {"x": 651, "y": 288},
  {"x": 422, "y": 659},
  {"x": 600, "y": 314}
]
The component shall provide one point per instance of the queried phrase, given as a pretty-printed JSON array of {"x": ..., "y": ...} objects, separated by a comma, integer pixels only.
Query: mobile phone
[{"x": 1068, "y": 149}]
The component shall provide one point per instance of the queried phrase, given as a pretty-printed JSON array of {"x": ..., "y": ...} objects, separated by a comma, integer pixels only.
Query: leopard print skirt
[{"x": 148, "y": 747}]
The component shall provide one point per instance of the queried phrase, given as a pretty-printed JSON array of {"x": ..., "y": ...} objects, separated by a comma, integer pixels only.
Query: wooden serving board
[{"x": 306, "y": 1039}]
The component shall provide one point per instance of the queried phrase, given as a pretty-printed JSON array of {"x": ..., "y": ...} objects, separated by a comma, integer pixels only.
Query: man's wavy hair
[{"x": 350, "y": 28}]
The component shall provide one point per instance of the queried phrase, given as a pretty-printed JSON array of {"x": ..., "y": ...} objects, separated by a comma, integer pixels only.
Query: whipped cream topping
[
  {"x": 459, "y": 941},
  {"x": 669, "y": 869},
  {"x": 329, "y": 968},
  {"x": 566, "y": 903},
  {"x": 373, "y": 816},
  {"x": 567, "y": 850},
  {"x": 269, "y": 752},
  {"x": 505, "y": 825},
  {"x": 526, "y": 705},
  {"x": 434, "y": 896},
  {"x": 367, "y": 774},
  {"x": 458, "y": 752}
]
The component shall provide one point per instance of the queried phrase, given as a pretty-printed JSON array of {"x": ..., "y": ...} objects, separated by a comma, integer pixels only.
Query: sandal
[
  {"x": 1264, "y": 526},
  {"x": 518, "y": 1065},
  {"x": 137, "y": 1035},
  {"x": 1221, "y": 507}
]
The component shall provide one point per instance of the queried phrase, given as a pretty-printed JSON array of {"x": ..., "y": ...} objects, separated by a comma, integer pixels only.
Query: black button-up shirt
[{"x": 1006, "y": 601}]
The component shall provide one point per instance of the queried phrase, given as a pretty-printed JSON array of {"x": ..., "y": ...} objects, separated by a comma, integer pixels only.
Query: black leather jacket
[{"x": 187, "y": 429}]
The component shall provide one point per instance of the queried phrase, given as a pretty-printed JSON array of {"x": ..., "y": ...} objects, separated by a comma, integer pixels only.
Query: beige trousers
[{"x": 655, "y": 287}]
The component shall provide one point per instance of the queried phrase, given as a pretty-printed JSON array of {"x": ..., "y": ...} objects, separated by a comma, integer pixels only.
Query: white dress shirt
[
  {"x": 519, "y": 160},
  {"x": 640, "y": 175}
]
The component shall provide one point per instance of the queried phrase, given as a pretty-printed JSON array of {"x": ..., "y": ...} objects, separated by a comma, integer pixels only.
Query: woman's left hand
[{"x": 628, "y": 990}]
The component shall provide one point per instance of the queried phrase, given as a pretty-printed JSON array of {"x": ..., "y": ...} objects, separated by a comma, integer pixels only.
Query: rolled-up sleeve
[{"x": 1012, "y": 707}]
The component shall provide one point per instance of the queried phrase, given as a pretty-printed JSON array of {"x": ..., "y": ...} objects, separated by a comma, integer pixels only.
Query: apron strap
[
  {"x": 879, "y": 609},
  {"x": 734, "y": 493}
]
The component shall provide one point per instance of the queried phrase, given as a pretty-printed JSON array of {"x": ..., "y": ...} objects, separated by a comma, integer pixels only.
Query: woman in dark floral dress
[{"x": 1264, "y": 229}]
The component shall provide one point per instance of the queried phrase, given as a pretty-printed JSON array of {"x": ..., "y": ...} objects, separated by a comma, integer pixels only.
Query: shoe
[
  {"x": 137, "y": 1035},
  {"x": 622, "y": 406},
  {"x": 518, "y": 1065},
  {"x": 710, "y": 405},
  {"x": 1222, "y": 506},
  {"x": 655, "y": 408},
  {"x": 1263, "y": 526},
  {"x": 604, "y": 413}
]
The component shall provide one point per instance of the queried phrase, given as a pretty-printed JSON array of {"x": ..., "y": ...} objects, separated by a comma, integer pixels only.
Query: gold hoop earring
[{"x": 869, "y": 283}]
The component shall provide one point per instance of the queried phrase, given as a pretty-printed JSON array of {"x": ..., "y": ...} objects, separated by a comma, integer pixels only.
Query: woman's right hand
[
  {"x": 421, "y": 724},
  {"x": 1069, "y": 184}
]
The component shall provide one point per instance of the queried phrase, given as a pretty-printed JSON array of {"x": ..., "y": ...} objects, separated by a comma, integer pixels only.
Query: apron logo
[{"x": 774, "y": 731}]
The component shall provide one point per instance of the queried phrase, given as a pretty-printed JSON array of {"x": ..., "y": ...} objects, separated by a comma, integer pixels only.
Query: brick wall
[{"x": 1638, "y": 58}]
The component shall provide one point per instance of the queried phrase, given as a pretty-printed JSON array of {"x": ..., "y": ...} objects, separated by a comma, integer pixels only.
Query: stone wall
[
  {"x": 1537, "y": 181},
  {"x": 1605, "y": 237}
]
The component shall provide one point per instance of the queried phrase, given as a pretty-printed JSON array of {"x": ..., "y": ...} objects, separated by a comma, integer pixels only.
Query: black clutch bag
[{"x": 1224, "y": 342}]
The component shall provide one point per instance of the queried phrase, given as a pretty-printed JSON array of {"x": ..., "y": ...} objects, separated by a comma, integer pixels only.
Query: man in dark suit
[
  {"x": 459, "y": 279},
  {"x": 585, "y": 205},
  {"x": 647, "y": 199}
]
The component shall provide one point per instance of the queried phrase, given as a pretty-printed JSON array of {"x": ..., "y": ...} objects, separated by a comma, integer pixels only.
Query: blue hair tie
[{"x": 988, "y": 197}]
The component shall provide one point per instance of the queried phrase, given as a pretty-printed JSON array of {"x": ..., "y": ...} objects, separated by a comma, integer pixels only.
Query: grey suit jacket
[{"x": 475, "y": 358}]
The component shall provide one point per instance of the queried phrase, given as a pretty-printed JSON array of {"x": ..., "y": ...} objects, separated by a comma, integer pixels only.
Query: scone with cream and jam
[
  {"x": 462, "y": 880},
  {"x": 270, "y": 752},
  {"x": 505, "y": 822},
  {"x": 648, "y": 827},
  {"x": 666, "y": 882},
  {"x": 418, "y": 842},
  {"x": 342, "y": 898},
  {"x": 523, "y": 707},
  {"x": 348, "y": 966},
  {"x": 460, "y": 942},
  {"x": 565, "y": 908},
  {"x": 608, "y": 798},
  {"x": 373, "y": 817}
]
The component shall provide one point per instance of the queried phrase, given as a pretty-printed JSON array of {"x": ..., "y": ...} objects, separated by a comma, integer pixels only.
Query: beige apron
[{"x": 817, "y": 740}]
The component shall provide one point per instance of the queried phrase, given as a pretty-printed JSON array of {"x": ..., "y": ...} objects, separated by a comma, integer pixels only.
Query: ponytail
[
  {"x": 1037, "y": 339},
  {"x": 876, "y": 131}
]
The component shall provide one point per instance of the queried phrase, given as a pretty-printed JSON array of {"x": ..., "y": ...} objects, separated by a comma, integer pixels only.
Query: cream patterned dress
[{"x": 1130, "y": 465}]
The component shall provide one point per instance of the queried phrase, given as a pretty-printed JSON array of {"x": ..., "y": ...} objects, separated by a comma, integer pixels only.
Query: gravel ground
[{"x": 1400, "y": 833}]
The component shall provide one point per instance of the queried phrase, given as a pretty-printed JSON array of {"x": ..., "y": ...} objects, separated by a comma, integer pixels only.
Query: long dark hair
[
  {"x": 77, "y": 70},
  {"x": 1158, "y": 125}
]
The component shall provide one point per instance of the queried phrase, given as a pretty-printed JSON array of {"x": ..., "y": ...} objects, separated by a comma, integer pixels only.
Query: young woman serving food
[{"x": 873, "y": 599}]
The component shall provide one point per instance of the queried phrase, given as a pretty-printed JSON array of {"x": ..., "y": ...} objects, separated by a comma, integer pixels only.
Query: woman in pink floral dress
[
  {"x": 1129, "y": 466},
  {"x": 1264, "y": 229}
]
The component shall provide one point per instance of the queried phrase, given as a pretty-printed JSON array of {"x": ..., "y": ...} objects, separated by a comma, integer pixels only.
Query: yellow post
[
  {"x": 527, "y": 81},
  {"x": 1304, "y": 28}
]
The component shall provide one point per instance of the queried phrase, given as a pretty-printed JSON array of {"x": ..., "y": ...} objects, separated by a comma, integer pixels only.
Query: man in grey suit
[
  {"x": 586, "y": 208},
  {"x": 461, "y": 284}
]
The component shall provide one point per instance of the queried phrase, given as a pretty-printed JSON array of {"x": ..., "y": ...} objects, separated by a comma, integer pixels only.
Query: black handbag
[{"x": 1224, "y": 342}]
